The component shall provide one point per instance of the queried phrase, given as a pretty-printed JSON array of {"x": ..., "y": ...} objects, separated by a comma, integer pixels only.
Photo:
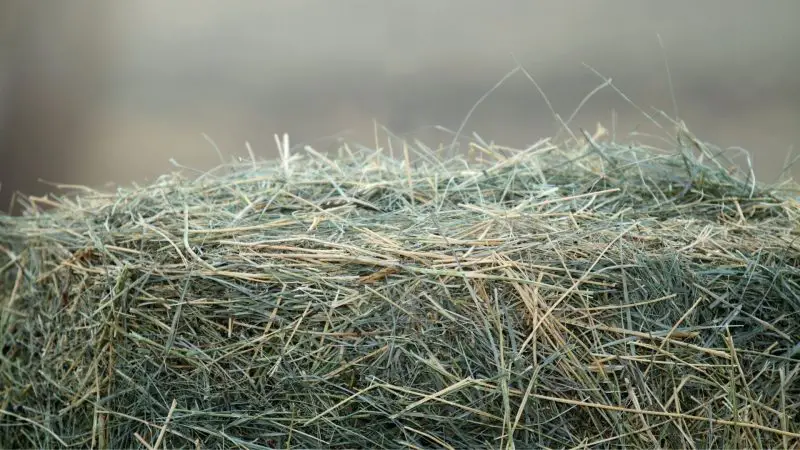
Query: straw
[{"x": 574, "y": 294}]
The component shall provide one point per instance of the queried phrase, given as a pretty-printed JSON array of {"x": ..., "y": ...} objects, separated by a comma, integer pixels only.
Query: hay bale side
[{"x": 600, "y": 295}]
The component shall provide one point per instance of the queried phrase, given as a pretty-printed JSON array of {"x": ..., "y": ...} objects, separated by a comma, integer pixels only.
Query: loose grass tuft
[{"x": 585, "y": 294}]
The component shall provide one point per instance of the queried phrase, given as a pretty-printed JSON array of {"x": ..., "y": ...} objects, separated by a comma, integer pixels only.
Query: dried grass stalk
[{"x": 588, "y": 294}]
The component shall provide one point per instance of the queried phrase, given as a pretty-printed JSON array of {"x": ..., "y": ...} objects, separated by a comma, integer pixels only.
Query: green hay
[{"x": 593, "y": 295}]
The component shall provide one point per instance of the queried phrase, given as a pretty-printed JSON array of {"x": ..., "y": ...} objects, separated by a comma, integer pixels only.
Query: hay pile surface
[{"x": 593, "y": 295}]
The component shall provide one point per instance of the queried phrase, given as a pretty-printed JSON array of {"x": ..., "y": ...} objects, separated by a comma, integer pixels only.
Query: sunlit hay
[{"x": 586, "y": 294}]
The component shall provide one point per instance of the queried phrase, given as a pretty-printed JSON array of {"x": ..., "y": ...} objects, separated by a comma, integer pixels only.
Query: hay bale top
[{"x": 589, "y": 294}]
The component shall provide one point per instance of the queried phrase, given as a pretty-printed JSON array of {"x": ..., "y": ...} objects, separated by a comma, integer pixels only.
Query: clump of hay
[{"x": 589, "y": 294}]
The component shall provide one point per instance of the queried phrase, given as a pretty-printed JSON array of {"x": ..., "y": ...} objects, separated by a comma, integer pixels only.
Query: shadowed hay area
[{"x": 585, "y": 294}]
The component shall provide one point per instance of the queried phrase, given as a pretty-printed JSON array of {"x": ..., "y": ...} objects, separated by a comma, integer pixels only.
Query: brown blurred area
[{"x": 93, "y": 92}]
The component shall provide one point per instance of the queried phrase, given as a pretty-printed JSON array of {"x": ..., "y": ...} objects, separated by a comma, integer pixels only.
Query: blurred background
[{"x": 93, "y": 92}]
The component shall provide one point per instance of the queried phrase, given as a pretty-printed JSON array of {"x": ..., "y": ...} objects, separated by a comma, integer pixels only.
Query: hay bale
[{"x": 595, "y": 295}]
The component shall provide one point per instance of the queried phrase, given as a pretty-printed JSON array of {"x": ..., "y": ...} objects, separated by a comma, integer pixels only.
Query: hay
[{"x": 576, "y": 295}]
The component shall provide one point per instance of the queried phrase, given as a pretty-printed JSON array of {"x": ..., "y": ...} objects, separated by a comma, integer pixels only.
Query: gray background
[{"x": 93, "y": 91}]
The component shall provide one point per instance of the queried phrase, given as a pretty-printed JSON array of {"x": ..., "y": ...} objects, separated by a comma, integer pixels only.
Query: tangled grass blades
[{"x": 592, "y": 295}]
